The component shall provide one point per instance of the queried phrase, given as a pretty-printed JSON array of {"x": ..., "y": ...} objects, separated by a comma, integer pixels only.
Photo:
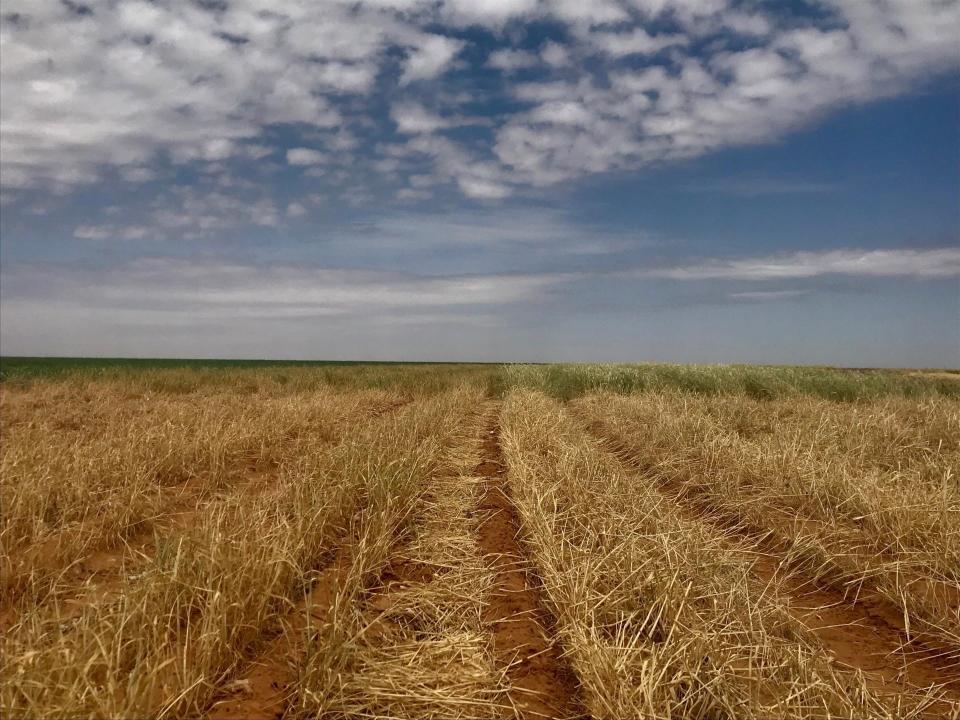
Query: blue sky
[{"x": 668, "y": 180}]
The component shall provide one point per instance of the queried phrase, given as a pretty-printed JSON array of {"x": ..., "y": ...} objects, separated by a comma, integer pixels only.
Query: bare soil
[
  {"x": 265, "y": 688},
  {"x": 542, "y": 683},
  {"x": 100, "y": 573}
]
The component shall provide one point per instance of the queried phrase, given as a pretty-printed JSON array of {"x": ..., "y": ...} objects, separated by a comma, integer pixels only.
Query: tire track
[
  {"x": 865, "y": 634},
  {"x": 542, "y": 683}
]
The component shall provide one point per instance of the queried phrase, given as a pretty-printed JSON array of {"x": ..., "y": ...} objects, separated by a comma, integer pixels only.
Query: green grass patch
[{"x": 758, "y": 381}]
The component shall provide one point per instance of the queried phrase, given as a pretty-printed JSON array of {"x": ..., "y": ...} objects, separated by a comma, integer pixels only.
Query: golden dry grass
[
  {"x": 160, "y": 645},
  {"x": 85, "y": 468},
  {"x": 659, "y": 612},
  {"x": 174, "y": 539},
  {"x": 413, "y": 644},
  {"x": 868, "y": 492}
]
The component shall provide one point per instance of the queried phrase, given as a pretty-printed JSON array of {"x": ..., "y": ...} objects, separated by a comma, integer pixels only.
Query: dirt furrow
[
  {"x": 255, "y": 478},
  {"x": 865, "y": 632},
  {"x": 542, "y": 683},
  {"x": 100, "y": 572},
  {"x": 266, "y": 687}
]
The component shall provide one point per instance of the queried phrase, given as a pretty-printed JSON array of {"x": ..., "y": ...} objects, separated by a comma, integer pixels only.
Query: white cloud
[
  {"x": 687, "y": 105},
  {"x": 555, "y": 54},
  {"x": 482, "y": 189},
  {"x": 588, "y": 14},
  {"x": 562, "y": 113},
  {"x": 132, "y": 83},
  {"x": 768, "y": 295},
  {"x": 296, "y": 209},
  {"x": 342, "y": 141},
  {"x": 476, "y": 178},
  {"x": 138, "y": 174},
  {"x": 486, "y": 12},
  {"x": 207, "y": 288},
  {"x": 355, "y": 77},
  {"x": 430, "y": 58},
  {"x": 218, "y": 149},
  {"x": 304, "y": 156},
  {"x": 635, "y": 42},
  {"x": 412, "y": 117},
  {"x": 110, "y": 232},
  {"x": 747, "y": 24},
  {"x": 509, "y": 59},
  {"x": 92, "y": 232},
  {"x": 510, "y": 231},
  {"x": 186, "y": 212},
  {"x": 927, "y": 263},
  {"x": 413, "y": 195}
]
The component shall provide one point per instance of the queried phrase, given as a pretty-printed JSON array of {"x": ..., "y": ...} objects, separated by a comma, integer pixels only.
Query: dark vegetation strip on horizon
[
  {"x": 563, "y": 381},
  {"x": 12, "y": 366}
]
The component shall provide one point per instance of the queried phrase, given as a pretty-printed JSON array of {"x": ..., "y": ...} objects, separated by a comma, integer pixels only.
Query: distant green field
[
  {"x": 564, "y": 381},
  {"x": 176, "y": 376},
  {"x": 23, "y": 367}
]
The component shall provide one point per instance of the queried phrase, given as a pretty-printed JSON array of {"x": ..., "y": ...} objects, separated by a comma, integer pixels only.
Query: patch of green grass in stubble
[{"x": 762, "y": 382}]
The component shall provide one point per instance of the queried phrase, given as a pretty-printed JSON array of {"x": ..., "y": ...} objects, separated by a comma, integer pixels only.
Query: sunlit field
[{"x": 334, "y": 540}]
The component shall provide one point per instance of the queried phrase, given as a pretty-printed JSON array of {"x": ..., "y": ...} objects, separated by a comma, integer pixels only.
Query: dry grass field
[{"x": 216, "y": 540}]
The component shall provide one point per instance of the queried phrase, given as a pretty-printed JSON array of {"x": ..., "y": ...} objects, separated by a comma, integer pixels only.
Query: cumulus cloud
[
  {"x": 304, "y": 156},
  {"x": 412, "y": 117},
  {"x": 482, "y": 189},
  {"x": 476, "y": 178},
  {"x": 926, "y": 263},
  {"x": 490, "y": 13},
  {"x": 190, "y": 213},
  {"x": 555, "y": 55},
  {"x": 125, "y": 85},
  {"x": 509, "y": 59},
  {"x": 635, "y": 42},
  {"x": 430, "y": 58},
  {"x": 296, "y": 209}
]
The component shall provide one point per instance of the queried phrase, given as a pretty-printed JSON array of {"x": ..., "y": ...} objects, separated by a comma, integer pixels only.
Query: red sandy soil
[{"x": 543, "y": 686}]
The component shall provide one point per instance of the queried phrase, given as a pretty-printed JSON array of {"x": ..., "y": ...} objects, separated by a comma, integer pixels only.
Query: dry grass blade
[
  {"x": 186, "y": 621},
  {"x": 864, "y": 494},
  {"x": 661, "y": 614},
  {"x": 389, "y": 541}
]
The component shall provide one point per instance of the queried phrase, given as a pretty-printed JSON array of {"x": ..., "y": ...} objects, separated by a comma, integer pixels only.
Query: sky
[{"x": 705, "y": 181}]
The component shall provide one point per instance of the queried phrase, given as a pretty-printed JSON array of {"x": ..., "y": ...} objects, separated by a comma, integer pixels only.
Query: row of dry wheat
[
  {"x": 87, "y": 467},
  {"x": 659, "y": 612},
  {"x": 352, "y": 584},
  {"x": 164, "y": 643},
  {"x": 866, "y": 494}
]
